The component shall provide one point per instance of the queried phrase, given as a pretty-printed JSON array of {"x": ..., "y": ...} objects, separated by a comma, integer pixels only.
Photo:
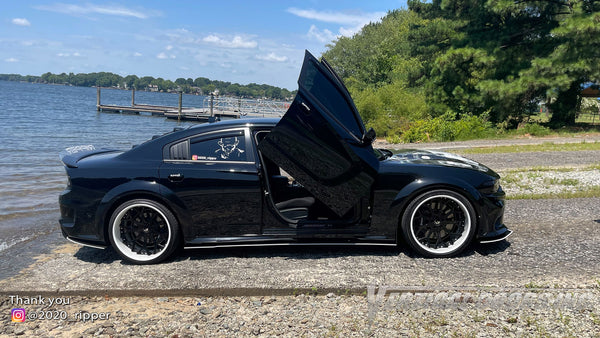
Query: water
[{"x": 37, "y": 121}]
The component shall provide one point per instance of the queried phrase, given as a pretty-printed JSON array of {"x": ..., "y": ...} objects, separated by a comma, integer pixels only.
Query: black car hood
[{"x": 437, "y": 158}]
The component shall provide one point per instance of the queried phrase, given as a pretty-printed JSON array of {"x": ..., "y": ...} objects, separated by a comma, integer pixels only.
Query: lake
[{"x": 37, "y": 121}]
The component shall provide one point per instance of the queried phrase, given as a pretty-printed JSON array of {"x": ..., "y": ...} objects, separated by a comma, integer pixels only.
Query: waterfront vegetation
[
  {"x": 461, "y": 69},
  {"x": 446, "y": 70},
  {"x": 201, "y": 85}
]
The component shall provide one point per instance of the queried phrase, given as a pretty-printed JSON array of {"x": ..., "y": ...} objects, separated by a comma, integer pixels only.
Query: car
[{"x": 311, "y": 177}]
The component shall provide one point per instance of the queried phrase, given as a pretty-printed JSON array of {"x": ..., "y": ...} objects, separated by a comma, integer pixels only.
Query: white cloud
[
  {"x": 236, "y": 42},
  {"x": 352, "y": 22},
  {"x": 272, "y": 57},
  {"x": 137, "y": 54},
  {"x": 11, "y": 60},
  {"x": 337, "y": 17},
  {"x": 169, "y": 47},
  {"x": 89, "y": 8},
  {"x": 66, "y": 55},
  {"x": 322, "y": 36},
  {"x": 164, "y": 56},
  {"x": 21, "y": 22}
]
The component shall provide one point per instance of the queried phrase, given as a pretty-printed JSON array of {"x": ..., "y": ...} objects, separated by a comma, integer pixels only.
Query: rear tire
[
  {"x": 439, "y": 223},
  {"x": 143, "y": 231}
]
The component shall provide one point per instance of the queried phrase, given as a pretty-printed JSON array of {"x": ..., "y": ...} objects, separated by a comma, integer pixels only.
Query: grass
[
  {"x": 533, "y": 285},
  {"x": 582, "y": 118},
  {"x": 571, "y": 182},
  {"x": 583, "y": 193},
  {"x": 546, "y": 146},
  {"x": 595, "y": 166}
]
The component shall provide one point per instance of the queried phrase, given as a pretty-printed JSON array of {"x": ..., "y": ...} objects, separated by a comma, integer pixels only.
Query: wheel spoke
[
  {"x": 440, "y": 223},
  {"x": 143, "y": 230}
]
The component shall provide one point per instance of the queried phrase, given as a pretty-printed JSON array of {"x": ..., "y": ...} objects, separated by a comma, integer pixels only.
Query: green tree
[
  {"x": 130, "y": 81},
  {"x": 508, "y": 55},
  {"x": 380, "y": 71}
]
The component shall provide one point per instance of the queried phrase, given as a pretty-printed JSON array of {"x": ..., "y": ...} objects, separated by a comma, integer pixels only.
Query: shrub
[
  {"x": 390, "y": 108},
  {"x": 447, "y": 128},
  {"x": 534, "y": 129}
]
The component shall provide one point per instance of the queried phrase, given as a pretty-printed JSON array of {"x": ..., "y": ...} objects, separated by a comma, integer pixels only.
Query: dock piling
[
  {"x": 179, "y": 107},
  {"x": 98, "y": 98},
  {"x": 132, "y": 96}
]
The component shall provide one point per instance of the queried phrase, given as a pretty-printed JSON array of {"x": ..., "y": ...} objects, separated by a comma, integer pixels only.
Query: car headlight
[{"x": 490, "y": 187}]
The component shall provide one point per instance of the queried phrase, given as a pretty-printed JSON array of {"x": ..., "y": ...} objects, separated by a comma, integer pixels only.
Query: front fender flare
[{"x": 419, "y": 186}]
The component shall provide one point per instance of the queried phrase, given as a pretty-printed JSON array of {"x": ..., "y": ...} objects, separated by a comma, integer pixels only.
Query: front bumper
[
  {"x": 499, "y": 235},
  {"x": 491, "y": 227}
]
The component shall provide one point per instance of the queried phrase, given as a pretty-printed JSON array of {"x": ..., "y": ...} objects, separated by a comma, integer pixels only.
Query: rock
[
  {"x": 19, "y": 331},
  {"x": 205, "y": 310}
]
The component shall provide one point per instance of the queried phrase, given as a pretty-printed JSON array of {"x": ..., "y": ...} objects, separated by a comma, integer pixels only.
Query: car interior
[{"x": 293, "y": 202}]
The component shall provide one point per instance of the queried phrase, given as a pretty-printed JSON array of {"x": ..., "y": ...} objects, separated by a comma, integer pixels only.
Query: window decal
[{"x": 228, "y": 149}]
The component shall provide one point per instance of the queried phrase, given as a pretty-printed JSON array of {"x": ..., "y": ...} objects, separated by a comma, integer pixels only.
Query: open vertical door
[{"x": 322, "y": 142}]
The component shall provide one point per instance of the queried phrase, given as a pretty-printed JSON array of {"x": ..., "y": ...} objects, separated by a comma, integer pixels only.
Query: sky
[{"x": 236, "y": 41}]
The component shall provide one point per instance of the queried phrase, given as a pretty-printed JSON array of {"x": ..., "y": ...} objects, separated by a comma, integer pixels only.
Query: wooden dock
[{"x": 179, "y": 113}]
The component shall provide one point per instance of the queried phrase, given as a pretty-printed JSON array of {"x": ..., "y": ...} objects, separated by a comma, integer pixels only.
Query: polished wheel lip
[
  {"x": 126, "y": 250},
  {"x": 459, "y": 242}
]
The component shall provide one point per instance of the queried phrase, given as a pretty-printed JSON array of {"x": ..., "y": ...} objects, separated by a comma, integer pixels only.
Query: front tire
[
  {"x": 439, "y": 223},
  {"x": 143, "y": 231}
]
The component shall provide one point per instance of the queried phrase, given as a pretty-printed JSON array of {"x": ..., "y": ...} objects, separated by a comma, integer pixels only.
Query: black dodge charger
[{"x": 311, "y": 177}]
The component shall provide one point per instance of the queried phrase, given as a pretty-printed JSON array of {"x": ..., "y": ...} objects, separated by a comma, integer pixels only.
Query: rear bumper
[
  {"x": 84, "y": 243},
  {"x": 78, "y": 221}
]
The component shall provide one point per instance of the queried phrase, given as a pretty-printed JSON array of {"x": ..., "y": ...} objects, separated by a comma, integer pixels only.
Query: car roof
[
  {"x": 220, "y": 125},
  {"x": 243, "y": 122}
]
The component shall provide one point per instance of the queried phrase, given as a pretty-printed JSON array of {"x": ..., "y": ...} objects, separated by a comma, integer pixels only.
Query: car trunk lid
[{"x": 72, "y": 155}]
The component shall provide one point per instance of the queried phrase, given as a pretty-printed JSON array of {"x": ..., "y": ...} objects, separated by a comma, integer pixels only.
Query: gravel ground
[
  {"x": 549, "y": 181},
  {"x": 322, "y": 291},
  {"x": 307, "y": 315},
  {"x": 551, "y": 260},
  {"x": 537, "y": 159}
]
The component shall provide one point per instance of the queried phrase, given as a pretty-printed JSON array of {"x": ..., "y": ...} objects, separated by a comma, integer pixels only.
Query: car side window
[
  {"x": 330, "y": 97},
  {"x": 230, "y": 147}
]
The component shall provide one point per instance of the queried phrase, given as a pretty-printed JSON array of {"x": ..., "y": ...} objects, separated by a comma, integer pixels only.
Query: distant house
[
  {"x": 153, "y": 88},
  {"x": 590, "y": 90}
]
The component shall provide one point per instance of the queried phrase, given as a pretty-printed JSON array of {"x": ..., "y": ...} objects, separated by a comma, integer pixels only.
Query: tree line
[
  {"x": 200, "y": 85},
  {"x": 499, "y": 60}
]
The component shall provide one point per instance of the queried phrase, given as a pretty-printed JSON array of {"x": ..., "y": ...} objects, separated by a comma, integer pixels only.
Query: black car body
[{"x": 310, "y": 177}]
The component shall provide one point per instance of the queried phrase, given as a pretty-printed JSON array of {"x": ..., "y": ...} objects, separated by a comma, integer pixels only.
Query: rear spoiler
[{"x": 72, "y": 155}]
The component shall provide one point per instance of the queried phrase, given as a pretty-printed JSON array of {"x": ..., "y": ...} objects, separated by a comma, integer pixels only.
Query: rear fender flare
[{"x": 132, "y": 190}]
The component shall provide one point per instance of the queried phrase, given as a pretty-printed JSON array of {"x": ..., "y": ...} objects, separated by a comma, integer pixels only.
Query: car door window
[
  {"x": 231, "y": 147},
  {"x": 329, "y": 96}
]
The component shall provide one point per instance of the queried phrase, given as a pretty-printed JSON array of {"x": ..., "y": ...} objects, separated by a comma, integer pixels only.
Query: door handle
[{"x": 176, "y": 177}]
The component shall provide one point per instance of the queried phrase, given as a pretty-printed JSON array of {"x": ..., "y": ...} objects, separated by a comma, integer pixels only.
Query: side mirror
[{"x": 369, "y": 137}]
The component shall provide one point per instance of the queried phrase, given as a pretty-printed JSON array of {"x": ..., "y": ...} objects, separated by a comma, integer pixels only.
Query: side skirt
[{"x": 286, "y": 244}]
